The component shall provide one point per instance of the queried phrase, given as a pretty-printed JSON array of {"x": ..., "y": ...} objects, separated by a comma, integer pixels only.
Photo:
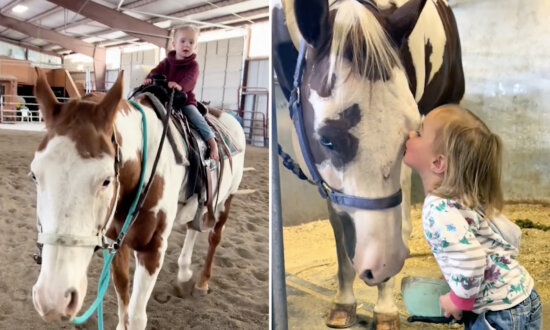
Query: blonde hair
[
  {"x": 372, "y": 53},
  {"x": 474, "y": 158},
  {"x": 191, "y": 27}
]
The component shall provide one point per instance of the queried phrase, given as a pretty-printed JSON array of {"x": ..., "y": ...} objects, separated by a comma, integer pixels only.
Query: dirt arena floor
[
  {"x": 310, "y": 262},
  {"x": 239, "y": 297}
]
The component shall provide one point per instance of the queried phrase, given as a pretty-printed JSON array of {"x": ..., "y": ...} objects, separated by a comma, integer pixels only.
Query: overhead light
[{"x": 19, "y": 9}]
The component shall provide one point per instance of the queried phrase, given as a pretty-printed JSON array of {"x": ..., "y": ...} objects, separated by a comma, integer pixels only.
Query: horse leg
[
  {"x": 185, "y": 215},
  {"x": 213, "y": 239},
  {"x": 184, "y": 261},
  {"x": 342, "y": 313},
  {"x": 121, "y": 279},
  {"x": 385, "y": 312},
  {"x": 148, "y": 265},
  {"x": 386, "y": 315}
]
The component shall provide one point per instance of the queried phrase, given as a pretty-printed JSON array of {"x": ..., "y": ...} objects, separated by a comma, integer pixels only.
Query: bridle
[
  {"x": 336, "y": 197},
  {"x": 99, "y": 241}
]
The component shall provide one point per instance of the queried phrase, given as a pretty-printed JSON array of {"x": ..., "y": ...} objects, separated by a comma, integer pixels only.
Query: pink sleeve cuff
[{"x": 466, "y": 304}]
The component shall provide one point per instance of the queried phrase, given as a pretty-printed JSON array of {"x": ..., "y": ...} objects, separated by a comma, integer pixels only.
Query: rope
[
  {"x": 291, "y": 165},
  {"x": 108, "y": 255}
]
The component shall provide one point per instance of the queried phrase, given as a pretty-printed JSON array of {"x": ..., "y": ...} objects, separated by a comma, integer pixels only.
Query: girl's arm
[{"x": 457, "y": 251}]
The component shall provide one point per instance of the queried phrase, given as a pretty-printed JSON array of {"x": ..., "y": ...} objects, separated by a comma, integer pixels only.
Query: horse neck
[{"x": 129, "y": 126}]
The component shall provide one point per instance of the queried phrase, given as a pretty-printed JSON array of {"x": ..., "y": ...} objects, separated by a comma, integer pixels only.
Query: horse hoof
[
  {"x": 200, "y": 292},
  {"x": 341, "y": 315},
  {"x": 386, "y": 321}
]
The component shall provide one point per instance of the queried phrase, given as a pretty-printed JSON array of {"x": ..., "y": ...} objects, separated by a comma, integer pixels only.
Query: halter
[{"x": 336, "y": 197}]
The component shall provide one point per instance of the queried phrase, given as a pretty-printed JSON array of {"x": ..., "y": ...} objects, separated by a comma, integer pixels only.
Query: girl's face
[
  {"x": 419, "y": 151},
  {"x": 185, "y": 43}
]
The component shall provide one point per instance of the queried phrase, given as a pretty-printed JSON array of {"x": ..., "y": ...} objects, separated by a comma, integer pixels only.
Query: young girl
[
  {"x": 459, "y": 161},
  {"x": 182, "y": 71}
]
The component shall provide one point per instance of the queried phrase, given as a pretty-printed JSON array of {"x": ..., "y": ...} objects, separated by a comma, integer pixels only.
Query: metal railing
[
  {"x": 10, "y": 114},
  {"x": 255, "y": 127},
  {"x": 255, "y": 123}
]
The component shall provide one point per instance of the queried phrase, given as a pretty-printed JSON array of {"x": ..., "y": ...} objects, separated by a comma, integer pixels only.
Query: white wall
[{"x": 506, "y": 58}]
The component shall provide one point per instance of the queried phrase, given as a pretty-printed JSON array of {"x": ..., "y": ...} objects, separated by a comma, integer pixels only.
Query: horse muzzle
[{"x": 53, "y": 307}]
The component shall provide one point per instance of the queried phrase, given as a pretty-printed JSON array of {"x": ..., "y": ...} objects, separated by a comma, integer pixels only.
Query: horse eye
[
  {"x": 326, "y": 142},
  {"x": 106, "y": 182}
]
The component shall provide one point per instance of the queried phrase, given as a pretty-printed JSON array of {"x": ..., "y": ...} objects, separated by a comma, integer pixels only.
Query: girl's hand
[
  {"x": 147, "y": 81},
  {"x": 172, "y": 84},
  {"x": 449, "y": 307}
]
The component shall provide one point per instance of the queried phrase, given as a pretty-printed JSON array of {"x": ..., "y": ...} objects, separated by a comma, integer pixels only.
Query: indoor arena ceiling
[{"x": 60, "y": 27}]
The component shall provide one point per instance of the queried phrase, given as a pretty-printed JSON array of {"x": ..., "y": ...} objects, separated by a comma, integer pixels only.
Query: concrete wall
[
  {"x": 506, "y": 57},
  {"x": 505, "y": 52}
]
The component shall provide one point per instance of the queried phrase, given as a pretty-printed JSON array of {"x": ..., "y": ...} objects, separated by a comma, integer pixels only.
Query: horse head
[
  {"x": 358, "y": 109},
  {"x": 74, "y": 172}
]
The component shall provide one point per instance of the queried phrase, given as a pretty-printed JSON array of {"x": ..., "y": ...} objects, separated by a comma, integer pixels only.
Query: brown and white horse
[
  {"x": 77, "y": 188},
  {"x": 371, "y": 69}
]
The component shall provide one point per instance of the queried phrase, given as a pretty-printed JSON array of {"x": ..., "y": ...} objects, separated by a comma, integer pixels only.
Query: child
[
  {"x": 459, "y": 161},
  {"x": 181, "y": 71}
]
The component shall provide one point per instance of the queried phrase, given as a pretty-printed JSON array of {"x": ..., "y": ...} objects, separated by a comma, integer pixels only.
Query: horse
[
  {"x": 370, "y": 70},
  {"x": 86, "y": 171}
]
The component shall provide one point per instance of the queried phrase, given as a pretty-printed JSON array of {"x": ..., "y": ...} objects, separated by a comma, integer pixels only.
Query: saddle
[{"x": 203, "y": 173}]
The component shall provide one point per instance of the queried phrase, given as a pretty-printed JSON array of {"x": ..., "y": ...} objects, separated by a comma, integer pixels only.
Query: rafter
[
  {"x": 34, "y": 31},
  {"x": 110, "y": 17}
]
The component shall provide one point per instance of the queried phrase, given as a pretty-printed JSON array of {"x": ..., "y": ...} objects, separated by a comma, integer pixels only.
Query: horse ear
[
  {"x": 107, "y": 108},
  {"x": 401, "y": 22},
  {"x": 312, "y": 18},
  {"x": 49, "y": 107}
]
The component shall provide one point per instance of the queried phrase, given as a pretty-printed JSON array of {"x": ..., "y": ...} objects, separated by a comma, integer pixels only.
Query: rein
[
  {"x": 336, "y": 197},
  {"x": 109, "y": 253},
  {"x": 100, "y": 241}
]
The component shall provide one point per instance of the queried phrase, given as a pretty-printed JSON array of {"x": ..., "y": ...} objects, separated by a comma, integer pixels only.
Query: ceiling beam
[
  {"x": 46, "y": 13},
  {"x": 34, "y": 31},
  {"x": 116, "y": 20},
  {"x": 246, "y": 16},
  {"x": 29, "y": 46},
  {"x": 199, "y": 9}
]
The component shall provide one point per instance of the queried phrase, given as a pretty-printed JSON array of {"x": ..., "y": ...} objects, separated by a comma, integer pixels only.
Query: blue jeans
[
  {"x": 195, "y": 117},
  {"x": 527, "y": 315}
]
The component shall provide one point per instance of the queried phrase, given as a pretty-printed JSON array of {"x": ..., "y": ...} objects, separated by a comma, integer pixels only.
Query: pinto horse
[
  {"x": 85, "y": 188},
  {"x": 371, "y": 69}
]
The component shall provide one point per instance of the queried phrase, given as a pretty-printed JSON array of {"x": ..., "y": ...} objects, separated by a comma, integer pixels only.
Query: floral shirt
[{"x": 476, "y": 255}]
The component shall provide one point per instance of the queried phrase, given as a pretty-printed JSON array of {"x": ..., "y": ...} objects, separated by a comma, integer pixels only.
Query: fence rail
[{"x": 10, "y": 113}]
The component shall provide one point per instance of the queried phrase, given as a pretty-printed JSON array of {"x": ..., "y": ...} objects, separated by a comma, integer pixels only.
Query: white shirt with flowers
[{"x": 476, "y": 255}]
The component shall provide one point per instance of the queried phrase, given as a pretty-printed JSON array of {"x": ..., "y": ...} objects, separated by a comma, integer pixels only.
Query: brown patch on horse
[
  {"x": 213, "y": 240},
  {"x": 87, "y": 121},
  {"x": 121, "y": 274},
  {"x": 215, "y": 112},
  {"x": 145, "y": 234}
]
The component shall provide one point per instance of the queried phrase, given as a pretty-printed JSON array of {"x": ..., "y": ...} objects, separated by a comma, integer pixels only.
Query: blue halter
[{"x": 336, "y": 197}]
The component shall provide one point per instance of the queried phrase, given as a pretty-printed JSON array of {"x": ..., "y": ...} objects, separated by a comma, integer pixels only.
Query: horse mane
[{"x": 359, "y": 38}]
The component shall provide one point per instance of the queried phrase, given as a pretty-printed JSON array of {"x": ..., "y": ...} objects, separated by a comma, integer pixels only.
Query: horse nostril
[
  {"x": 368, "y": 274},
  {"x": 73, "y": 300}
]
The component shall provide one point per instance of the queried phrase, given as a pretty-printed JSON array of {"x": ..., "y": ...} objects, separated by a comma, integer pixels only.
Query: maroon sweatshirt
[{"x": 184, "y": 72}]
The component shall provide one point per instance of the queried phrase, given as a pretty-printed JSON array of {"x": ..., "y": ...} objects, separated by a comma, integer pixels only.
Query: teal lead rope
[{"x": 108, "y": 255}]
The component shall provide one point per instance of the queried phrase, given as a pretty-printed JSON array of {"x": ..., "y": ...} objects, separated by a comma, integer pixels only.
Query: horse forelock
[{"x": 359, "y": 38}]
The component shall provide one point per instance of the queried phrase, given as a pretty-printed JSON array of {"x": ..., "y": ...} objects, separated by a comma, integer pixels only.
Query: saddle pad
[{"x": 227, "y": 138}]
